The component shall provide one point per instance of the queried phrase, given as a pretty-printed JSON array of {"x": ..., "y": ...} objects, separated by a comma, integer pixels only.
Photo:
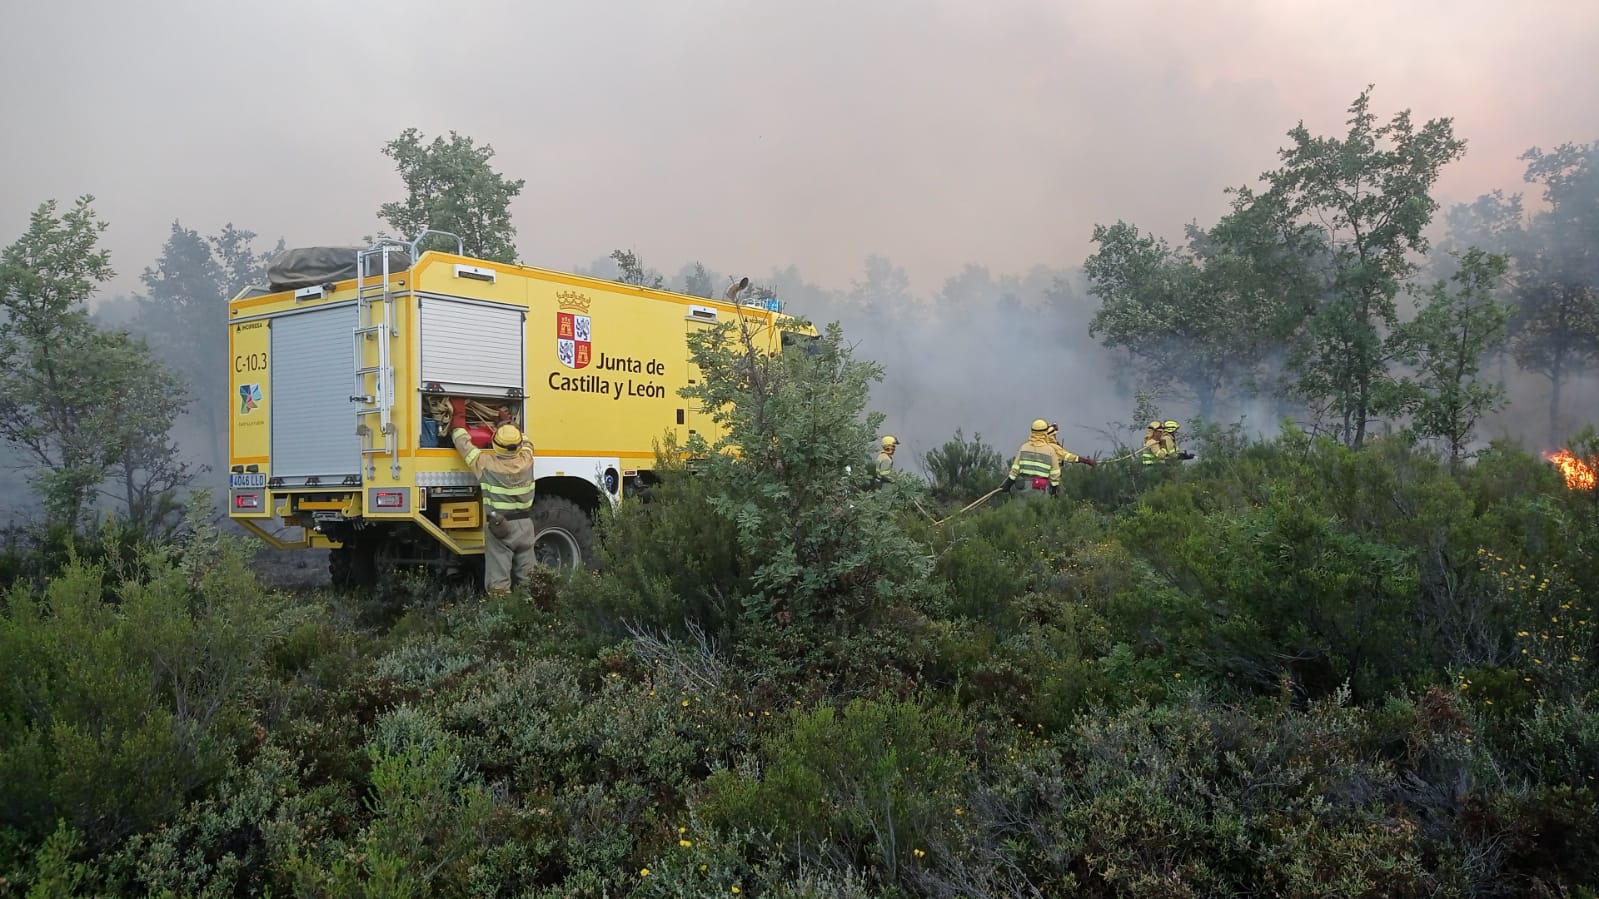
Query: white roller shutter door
[
  {"x": 470, "y": 346},
  {"x": 313, "y": 420}
]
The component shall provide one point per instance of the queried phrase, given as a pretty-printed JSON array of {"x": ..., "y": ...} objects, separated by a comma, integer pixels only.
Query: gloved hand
[
  {"x": 458, "y": 406},
  {"x": 1007, "y": 484},
  {"x": 1087, "y": 461},
  {"x": 1054, "y": 490}
]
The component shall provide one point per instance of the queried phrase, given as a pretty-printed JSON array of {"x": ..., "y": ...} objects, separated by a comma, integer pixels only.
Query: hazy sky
[{"x": 755, "y": 134}]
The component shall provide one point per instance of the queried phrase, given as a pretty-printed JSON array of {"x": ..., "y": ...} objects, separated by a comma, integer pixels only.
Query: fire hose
[
  {"x": 478, "y": 412},
  {"x": 985, "y": 497}
]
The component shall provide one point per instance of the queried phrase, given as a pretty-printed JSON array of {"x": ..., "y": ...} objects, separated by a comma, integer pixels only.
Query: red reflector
[
  {"x": 247, "y": 501},
  {"x": 1040, "y": 483},
  {"x": 390, "y": 500}
]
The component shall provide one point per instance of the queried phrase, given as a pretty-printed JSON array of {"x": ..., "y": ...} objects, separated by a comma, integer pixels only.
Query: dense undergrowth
[{"x": 1286, "y": 669}]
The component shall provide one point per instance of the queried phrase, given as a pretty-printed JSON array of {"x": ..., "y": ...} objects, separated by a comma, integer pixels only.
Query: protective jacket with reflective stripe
[
  {"x": 1040, "y": 457},
  {"x": 1158, "y": 447},
  {"x": 885, "y": 466},
  {"x": 506, "y": 479}
]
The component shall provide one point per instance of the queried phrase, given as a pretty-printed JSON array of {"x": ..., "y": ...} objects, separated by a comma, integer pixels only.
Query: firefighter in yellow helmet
[
  {"x": 1154, "y": 449},
  {"x": 505, "y": 476},
  {"x": 884, "y": 473},
  {"x": 1169, "y": 441},
  {"x": 1036, "y": 467}
]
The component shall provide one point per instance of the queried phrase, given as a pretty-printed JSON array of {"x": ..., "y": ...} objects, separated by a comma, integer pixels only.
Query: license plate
[{"x": 236, "y": 481}]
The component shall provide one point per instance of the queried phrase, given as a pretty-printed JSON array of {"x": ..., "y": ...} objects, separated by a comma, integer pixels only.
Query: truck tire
[
  {"x": 565, "y": 534},
  {"x": 353, "y": 566}
]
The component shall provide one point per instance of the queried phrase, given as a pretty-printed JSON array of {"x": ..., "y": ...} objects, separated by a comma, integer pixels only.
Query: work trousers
[
  {"x": 511, "y": 553},
  {"x": 1025, "y": 491}
]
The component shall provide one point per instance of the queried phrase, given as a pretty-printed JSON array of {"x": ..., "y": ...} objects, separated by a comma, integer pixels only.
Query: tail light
[
  {"x": 247, "y": 501},
  {"x": 390, "y": 499}
]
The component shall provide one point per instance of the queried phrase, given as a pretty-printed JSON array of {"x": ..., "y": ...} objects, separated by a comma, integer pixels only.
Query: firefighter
[
  {"x": 885, "y": 462},
  {"x": 1037, "y": 464},
  {"x": 506, "y": 478},
  {"x": 1170, "y": 441},
  {"x": 1154, "y": 444}
]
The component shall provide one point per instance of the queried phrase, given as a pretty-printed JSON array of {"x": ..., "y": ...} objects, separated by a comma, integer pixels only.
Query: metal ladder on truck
[{"x": 374, "y": 384}]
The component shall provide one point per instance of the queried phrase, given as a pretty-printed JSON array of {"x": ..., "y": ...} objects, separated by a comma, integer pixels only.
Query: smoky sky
[
  {"x": 773, "y": 135},
  {"x": 755, "y": 135}
]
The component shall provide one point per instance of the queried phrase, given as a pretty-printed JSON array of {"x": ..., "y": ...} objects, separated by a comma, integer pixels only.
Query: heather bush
[
  {"x": 867, "y": 786},
  {"x": 963, "y": 470},
  {"x": 112, "y": 713}
]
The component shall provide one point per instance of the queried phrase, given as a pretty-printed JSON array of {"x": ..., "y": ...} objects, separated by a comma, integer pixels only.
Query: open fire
[{"x": 1579, "y": 474}]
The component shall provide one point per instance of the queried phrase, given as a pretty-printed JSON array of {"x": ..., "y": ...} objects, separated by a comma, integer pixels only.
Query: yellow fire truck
[{"x": 341, "y": 370}]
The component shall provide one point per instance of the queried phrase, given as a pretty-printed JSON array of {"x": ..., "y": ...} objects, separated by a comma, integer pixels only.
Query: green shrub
[
  {"x": 821, "y": 556},
  {"x": 111, "y": 714},
  {"x": 428, "y": 819},
  {"x": 865, "y": 787},
  {"x": 962, "y": 470},
  {"x": 667, "y": 564},
  {"x": 231, "y": 842}
]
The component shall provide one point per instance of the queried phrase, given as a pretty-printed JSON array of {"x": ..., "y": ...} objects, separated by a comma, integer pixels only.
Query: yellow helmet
[
  {"x": 889, "y": 441},
  {"x": 1170, "y": 425},
  {"x": 1154, "y": 426},
  {"x": 1040, "y": 425},
  {"x": 508, "y": 439}
]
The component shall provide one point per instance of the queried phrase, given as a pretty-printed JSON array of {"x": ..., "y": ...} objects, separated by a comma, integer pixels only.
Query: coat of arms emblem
[{"x": 573, "y": 331}]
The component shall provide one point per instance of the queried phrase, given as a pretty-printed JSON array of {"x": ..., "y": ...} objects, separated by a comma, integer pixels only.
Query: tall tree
[
  {"x": 820, "y": 555},
  {"x": 1359, "y": 204},
  {"x": 1555, "y": 327},
  {"x": 74, "y": 399},
  {"x": 1205, "y": 317},
  {"x": 450, "y": 186},
  {"x": 631, "y": 270},
  {"x": 883, "y": 303},
  {"x": 146, "y": 469},
  {"x": 697, "y": 282},
  {"x": 185, "y": 308},
  {"x": 1458, "y": 327}
]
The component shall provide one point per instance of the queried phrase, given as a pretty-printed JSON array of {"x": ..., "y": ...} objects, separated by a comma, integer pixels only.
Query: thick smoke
[{"x": 787, "y": 139}]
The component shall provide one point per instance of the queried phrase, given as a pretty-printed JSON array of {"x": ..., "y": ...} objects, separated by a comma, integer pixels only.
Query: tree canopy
[{"x": 451, "y": 186}]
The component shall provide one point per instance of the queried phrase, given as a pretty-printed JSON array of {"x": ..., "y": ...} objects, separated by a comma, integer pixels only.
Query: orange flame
[{"x": 1579, "y": 474}]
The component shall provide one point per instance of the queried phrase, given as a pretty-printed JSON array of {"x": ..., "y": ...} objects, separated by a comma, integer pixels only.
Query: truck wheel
[
  {"x": 353, "y": 566},
  {"x": 565, "y": 534}
]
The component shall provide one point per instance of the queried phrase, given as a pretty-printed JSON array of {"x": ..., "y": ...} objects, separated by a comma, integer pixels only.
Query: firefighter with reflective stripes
[
  {"x": 884, "y": 474},
  {"x": 1155, "y": 448},
  {"x": 505, "y": 477},
  {"x": 1160, "y": 443},
  {"x": 1036, "y": 467}
]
